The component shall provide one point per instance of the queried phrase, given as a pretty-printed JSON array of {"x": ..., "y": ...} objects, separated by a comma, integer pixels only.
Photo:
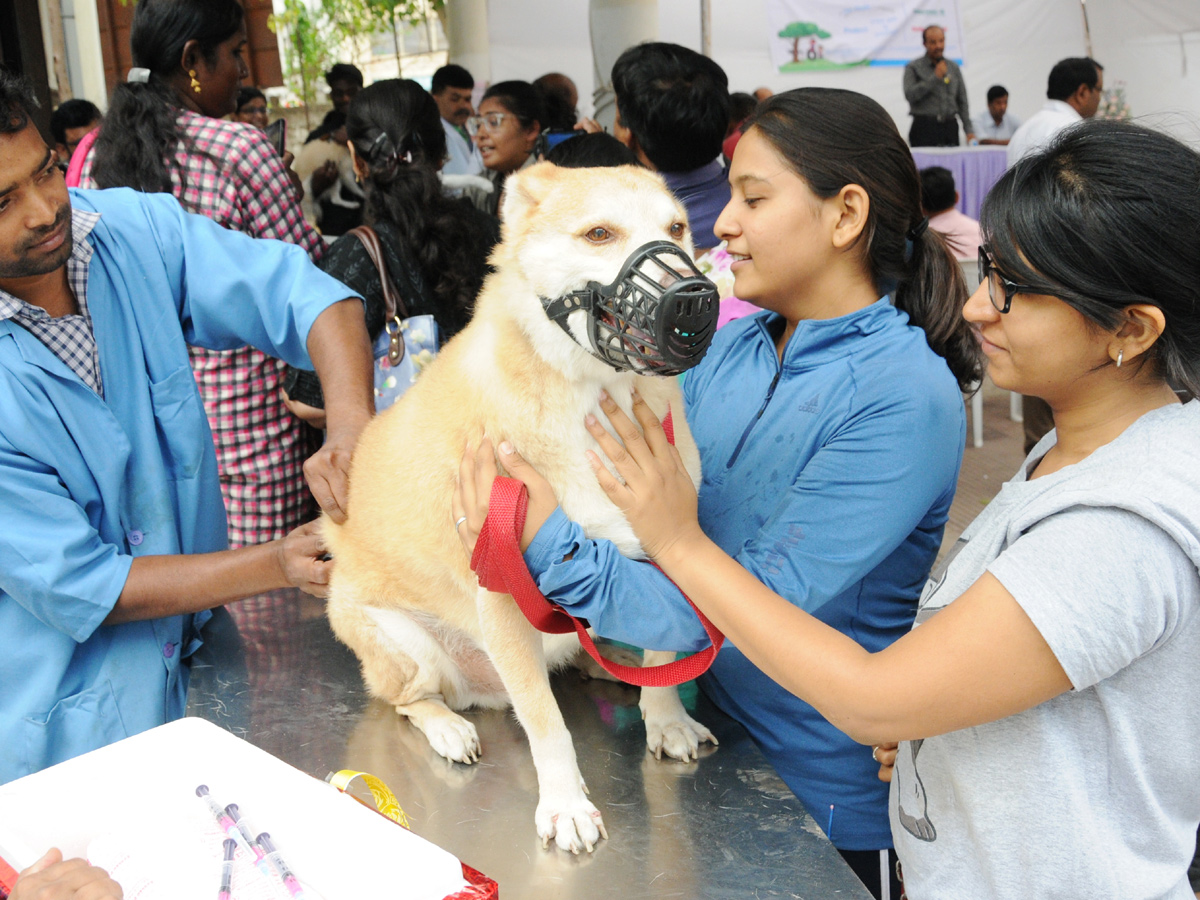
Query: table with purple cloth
[{"x": 975, "y": 170}]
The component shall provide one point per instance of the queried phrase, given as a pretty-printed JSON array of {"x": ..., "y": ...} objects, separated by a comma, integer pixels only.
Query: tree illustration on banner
[{"x": 797, "y": 31}]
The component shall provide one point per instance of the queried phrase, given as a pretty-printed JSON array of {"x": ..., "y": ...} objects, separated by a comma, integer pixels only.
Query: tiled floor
[{"x": 985, "y": 468}]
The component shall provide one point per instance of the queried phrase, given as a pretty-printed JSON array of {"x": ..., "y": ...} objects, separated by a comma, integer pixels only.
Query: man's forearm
[
  {"x": 160, "y": 586},
  {"x": 340, "y": 349}
]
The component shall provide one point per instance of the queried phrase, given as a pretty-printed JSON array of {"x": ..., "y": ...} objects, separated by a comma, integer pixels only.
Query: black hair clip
[
  {"x": 381, "y": 149},
  {"x": 917, "y": 230}
]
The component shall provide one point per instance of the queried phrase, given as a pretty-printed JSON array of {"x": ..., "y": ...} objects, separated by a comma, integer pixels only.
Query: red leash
[{"x": 498, "y": 563}]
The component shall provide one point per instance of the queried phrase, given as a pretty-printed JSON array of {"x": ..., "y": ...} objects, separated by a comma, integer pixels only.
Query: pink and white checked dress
[{"x": 229, "y": 172}]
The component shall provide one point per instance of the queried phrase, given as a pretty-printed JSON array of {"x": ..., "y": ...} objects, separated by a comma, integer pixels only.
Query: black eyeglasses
[{"x": 996, "y": 281}]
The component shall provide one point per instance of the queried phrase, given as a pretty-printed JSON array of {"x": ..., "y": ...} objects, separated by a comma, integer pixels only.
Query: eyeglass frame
[
  {"x": 1011, "y": 288},
  {"x": 481, "y": 121}
]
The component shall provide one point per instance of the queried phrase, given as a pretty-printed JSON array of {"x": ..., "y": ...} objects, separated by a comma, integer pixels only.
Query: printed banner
[{"x": 819, "y": 35}]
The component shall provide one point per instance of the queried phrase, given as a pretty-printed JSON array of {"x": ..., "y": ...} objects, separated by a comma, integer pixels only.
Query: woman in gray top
[{"x": 1048, "y": 699}]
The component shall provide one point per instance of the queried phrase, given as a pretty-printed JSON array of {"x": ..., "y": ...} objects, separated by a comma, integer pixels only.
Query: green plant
[{"x": 317, "y": 33}]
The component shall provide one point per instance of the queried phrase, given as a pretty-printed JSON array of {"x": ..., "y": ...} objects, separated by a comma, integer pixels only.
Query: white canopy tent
[{"x": 1151, "y": 47}]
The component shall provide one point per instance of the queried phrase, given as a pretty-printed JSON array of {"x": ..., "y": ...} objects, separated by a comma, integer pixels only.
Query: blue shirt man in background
[
  {"x": 113, "y": 544},
  {"x": 673, "y": 112}
]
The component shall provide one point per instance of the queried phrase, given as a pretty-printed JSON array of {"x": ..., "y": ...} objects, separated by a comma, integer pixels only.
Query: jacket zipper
[{"x": 737, "y": 451}]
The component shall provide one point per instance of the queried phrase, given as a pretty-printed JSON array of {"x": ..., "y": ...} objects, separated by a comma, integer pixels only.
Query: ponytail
[
  {"x": 140, "y": 134},
  {"x": 832, "y": 138},
  {"x": 933, "y": 294},
  {"x": 396, "y": 130}
]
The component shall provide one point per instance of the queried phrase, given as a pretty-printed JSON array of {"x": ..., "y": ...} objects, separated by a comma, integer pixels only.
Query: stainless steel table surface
[{"x": 722, "y": 827}]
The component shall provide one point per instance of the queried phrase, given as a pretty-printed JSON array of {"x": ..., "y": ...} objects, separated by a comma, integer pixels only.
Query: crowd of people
[{"x": 182, "y": 397}]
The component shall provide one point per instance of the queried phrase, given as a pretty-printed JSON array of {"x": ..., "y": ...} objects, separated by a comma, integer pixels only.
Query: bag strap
[
  {"x": 500, "y": 567},
  {"x": 393, "y": 304}
]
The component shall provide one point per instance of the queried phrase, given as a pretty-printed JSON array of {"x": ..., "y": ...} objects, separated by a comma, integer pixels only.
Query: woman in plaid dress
[{"x": 164, "y": 132}]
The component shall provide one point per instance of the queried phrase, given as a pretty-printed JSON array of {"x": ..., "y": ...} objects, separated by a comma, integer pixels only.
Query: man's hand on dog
[
  {"x": 657, "y": 496},
  {"x": 476, "y": 473},
  {"x": 328, "y": 470},
  {"x": 303, "y": 559}
]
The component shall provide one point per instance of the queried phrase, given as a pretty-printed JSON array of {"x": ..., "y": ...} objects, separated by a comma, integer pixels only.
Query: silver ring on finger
[
  {"x": 875, "y": 754},
  {"x": 458, "y": 522}
]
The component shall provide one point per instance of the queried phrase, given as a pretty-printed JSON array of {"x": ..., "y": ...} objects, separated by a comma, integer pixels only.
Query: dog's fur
[
  {"x": 343, "y": 192},
  {"x": 402, "y": 594}
]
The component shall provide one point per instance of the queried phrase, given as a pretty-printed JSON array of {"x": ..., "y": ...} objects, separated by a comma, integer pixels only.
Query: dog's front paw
[
  {"x": 453, "y": 737},
  {"x": 678, "y": 736},
  {"x": 574, "y": 825}
]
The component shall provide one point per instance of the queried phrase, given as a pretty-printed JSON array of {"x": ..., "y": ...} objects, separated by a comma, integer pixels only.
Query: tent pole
[{"x": 1087, "y": 30}]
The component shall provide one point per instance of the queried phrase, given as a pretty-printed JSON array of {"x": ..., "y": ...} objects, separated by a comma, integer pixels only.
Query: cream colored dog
[{"x": 402, "y": 595}]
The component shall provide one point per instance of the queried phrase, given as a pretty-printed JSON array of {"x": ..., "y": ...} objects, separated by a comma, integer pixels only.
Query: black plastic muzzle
[{"x": 657, "y": 318}]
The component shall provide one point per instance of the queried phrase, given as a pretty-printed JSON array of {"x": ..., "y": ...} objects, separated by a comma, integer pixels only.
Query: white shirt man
[
  {"x": 451, "y": 90},
  {"x": 988, "y": 130},
  {"x": 996, "y": 125},
  {"x": 1041, "y": 129},
  {"x": 1074, "y": 95},
  {"x": 463, "y": 155}
]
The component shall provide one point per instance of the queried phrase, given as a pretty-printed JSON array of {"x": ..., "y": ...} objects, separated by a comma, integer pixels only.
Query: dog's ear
[{"x": 525, "y": 189}]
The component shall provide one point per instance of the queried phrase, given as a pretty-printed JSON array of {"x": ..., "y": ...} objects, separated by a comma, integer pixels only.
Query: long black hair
[
  {"x": 832, "y": 138},
  {"x": 139, "y": 132},
  {"x": 396, "y": 129},
  {"x": 1106, "y": 217}
]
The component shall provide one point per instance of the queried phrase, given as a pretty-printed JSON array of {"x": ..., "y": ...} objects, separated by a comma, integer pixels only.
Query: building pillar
[
  {"x": 616, "y": 25},
  {"x": 467, "y": 34},
  {"x": 90, "y": 77}
]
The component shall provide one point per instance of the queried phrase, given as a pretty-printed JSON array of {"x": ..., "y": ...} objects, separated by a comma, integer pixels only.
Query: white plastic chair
[{"x": 970, "y": 270}]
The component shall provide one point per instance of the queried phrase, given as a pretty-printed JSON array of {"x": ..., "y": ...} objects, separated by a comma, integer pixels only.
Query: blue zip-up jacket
[{"x": 829, "y": 477}]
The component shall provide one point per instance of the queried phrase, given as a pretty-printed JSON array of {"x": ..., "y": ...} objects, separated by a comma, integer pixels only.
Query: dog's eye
[
  {"x": 598, "y": 235},
  {"x": 677, "y": 230}
]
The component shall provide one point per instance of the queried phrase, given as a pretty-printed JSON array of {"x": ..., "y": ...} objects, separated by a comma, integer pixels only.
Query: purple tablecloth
[{"x": 975, "y": 170}]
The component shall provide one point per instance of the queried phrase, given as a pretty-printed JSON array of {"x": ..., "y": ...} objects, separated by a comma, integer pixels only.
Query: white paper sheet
[{"x": 337, "y": 848}]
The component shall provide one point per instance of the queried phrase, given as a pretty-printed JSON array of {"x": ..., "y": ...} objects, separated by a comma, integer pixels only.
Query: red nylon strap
[{"x": 498, "y": 564}]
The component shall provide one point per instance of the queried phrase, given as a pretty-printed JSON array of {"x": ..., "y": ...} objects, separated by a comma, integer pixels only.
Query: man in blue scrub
[{"x": 112, "y": 529}]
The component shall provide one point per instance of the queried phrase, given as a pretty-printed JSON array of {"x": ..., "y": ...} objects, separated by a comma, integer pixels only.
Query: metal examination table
[{"x": 723, "y": 827}]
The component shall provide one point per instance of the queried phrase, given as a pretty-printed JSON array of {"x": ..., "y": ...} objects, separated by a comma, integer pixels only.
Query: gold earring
[{"x": 195, "y": 83}]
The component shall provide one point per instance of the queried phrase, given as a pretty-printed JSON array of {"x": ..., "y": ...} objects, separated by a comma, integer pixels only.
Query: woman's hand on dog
[
  {"x": 477, "y": 471},
  {"x": 657, "y": 496}
]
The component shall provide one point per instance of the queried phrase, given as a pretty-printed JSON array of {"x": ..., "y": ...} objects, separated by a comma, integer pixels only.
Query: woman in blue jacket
[{"x": 830, "y": 426}]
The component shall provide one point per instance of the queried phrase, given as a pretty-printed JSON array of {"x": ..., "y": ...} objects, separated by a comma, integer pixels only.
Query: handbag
[{"x": 407, "y": 343}]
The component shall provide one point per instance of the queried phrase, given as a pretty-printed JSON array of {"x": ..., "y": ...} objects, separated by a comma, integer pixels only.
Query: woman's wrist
[{"x": 680, "y": 553}]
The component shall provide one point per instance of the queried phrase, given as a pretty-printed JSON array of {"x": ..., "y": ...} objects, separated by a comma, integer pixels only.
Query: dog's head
[{"x": 567, "y": 232}]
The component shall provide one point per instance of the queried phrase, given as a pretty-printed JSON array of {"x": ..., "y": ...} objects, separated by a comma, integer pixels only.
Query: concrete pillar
[
  {"x": 56, "y": 48},
  {"x": 616, "y": 25},
  {"x": 467, "y": 34},
  {"x": 90, "y": 77}
]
